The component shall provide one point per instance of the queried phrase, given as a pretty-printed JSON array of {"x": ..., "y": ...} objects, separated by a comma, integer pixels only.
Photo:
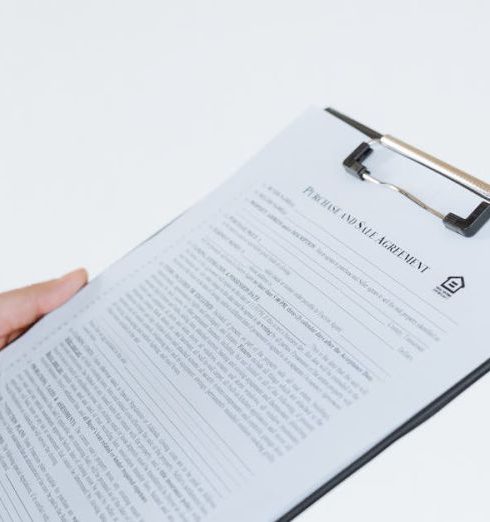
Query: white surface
[{"x": 114, "y": 117}]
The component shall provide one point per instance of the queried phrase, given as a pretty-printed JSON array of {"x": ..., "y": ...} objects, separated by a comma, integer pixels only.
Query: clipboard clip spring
[{"x": 468, "y": 226}]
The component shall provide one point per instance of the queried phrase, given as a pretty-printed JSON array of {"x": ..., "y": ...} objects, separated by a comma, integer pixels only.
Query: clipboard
[
  {"x": 444, "y": 394},
  {"x": 354, "y": 164}
]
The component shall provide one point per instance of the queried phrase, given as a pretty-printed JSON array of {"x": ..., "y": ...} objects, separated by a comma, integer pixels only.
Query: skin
[{"x": 21, "y": 308}]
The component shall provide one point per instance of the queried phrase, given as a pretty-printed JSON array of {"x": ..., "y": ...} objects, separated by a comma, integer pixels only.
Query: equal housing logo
[{"x": 451, "y": 286}]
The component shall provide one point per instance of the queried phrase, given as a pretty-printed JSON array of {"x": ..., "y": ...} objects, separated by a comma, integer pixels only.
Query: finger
[{"x": 22, "y": 307}]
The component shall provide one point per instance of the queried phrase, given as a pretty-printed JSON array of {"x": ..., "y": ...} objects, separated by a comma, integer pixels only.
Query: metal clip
[{"x": 468, "y": 226}]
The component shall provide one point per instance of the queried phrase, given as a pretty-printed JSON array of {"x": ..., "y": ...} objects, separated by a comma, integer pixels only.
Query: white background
[{"x": 116, "y": 116}]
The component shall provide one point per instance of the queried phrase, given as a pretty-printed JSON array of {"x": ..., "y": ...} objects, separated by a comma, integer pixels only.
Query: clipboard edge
[{"x": 413, "y": 422}]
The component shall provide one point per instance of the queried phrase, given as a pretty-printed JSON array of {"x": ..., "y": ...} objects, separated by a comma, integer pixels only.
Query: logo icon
[
  {"x": 453, "y": 284},
  {"x": 450, "y": 286}
]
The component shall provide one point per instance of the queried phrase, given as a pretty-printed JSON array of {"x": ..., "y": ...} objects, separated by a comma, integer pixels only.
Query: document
[{"x": 246, "y": 354}]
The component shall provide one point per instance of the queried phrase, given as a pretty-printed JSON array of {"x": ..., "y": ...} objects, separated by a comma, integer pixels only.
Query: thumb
[{"x": 20, "y": 308}]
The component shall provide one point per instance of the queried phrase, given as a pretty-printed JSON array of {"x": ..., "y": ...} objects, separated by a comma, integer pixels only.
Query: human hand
[{"x": 21, "y": 308}]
